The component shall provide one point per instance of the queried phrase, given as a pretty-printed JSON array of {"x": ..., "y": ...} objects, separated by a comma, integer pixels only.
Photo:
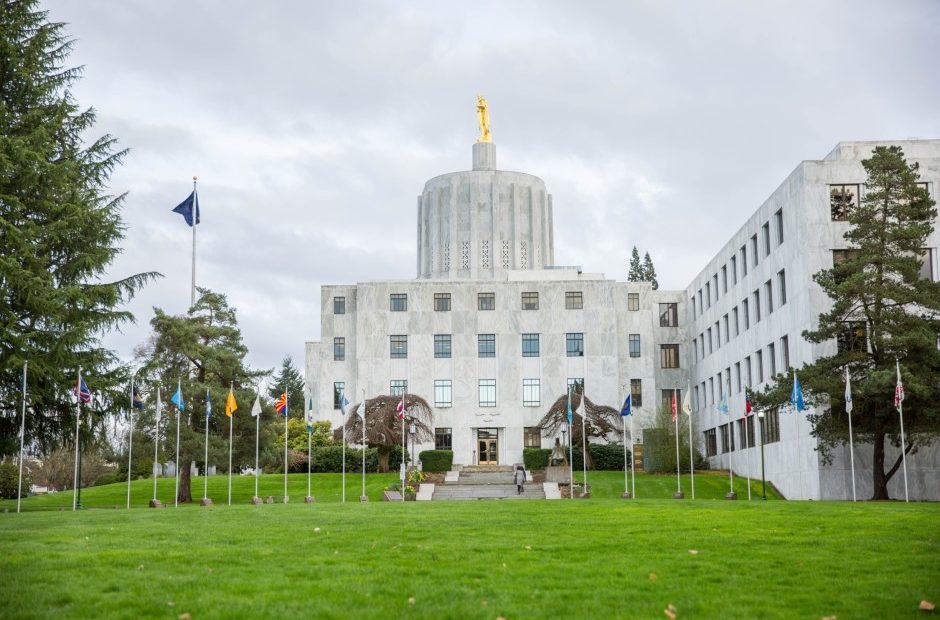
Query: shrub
[
  {"x": 330, "y": 459},
  {"x": 110, "y": 478},
  {"x": 536, "y": 458},
  {"x": 607, "y": 456},
  {"x": 437, "y": 460},
  {"x": 9, "y": 479}
]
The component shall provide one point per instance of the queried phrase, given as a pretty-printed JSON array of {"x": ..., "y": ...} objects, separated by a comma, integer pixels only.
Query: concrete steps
[{"x": 484, "y": 482}]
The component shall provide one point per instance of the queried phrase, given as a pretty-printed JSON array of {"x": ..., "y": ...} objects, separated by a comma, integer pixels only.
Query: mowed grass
[
  {"x": 598, "y": 558},
  {"x": 327, "y": 488}
]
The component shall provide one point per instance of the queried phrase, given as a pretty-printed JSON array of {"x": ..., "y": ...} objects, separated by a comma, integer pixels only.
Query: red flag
[
  {"x": 747, "y": 404},
  {"x": 400, "y": 408},
  {"x": 899, "y": 389},
  {"x": 674, "y": 410}
]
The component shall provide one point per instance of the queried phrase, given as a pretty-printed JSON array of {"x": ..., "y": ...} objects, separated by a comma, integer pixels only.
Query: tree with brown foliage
[
  {"x": 384, "y": 428},
  {"x": 601, "y": 421}
]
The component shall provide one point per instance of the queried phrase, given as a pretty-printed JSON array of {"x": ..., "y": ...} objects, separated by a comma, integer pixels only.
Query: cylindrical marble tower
[{"x": 482, "y": 223}]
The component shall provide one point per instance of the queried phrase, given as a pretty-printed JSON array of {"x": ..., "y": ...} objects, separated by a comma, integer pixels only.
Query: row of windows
[
  {"x": 738, "y": 265},
  {"x": 770, "y": 433},
  {"x": 845, "y": 197},
  {"x": 443, "y": 438},
  {"x": 714, "y": 389},
  {"x": 574, "y": 300},
  {"x": 730, "y": 325},
  {"x": 486, "y": 347}
]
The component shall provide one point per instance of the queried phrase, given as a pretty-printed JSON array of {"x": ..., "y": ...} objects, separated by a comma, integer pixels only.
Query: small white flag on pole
[{"x": 848, "y": 411}]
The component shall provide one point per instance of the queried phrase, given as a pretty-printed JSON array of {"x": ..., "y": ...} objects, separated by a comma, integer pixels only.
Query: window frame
[
  {"x": 443, "y": 346},
  {"x": 531, "y": 393},
  {"x": 633, "y": 302},
  {"x": 486, "y": 384},
  {"x": 574, "y": 300},
  {"x": 443, "y": 393},
  {"x": 442, "y": 302},
  {"x": 339, "y": 304},
  {"x": 631, "y": 339},
  {"x": 669, "y": 317},
  {"x": 398, "y": 297},
  {"x": 440, "y": 433},
  {"x": 402, "y": 349},
  {"x": 484, "y": 300},
  {"x": 339, "y": 348},
  {"x": 530, "y": 338},
  {"x": 527, "y": 300},
  {"x": 483, "y": 342},
  {"x": 574, "y": 344},
  {"x": 669, "y": 353}
]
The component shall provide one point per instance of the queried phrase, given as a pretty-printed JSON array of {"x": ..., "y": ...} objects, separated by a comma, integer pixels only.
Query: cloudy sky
[{"x": 312, "y": 127}]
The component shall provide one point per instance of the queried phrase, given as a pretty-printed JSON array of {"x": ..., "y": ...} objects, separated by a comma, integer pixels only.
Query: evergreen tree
[
  {"x": 636, "y": 269},
  {"x": 59, "y": 232},
  {"x": 203, "y": 350},
  {"x": 882, "y": 311},
  {"x": 649, "y": 272},
  {"x": 290, "y": 376}
]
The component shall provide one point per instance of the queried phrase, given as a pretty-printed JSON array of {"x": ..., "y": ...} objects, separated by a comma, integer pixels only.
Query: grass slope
[
  {"x": 530, "y": 559},
  {"x": 328, "y": 488}
]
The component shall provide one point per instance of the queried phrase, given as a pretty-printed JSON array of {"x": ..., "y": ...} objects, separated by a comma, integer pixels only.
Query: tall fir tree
[
  {"x": 203, "y": 351},
  {"x": 649, "y": 272},
  {"x": 636, "y": 269},
  {"x": 883, "y": 310},
  {"x": 289, "y": 376},
  {"x": 59, "y": 233}
]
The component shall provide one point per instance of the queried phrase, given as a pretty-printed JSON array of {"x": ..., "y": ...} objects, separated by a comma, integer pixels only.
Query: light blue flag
[
  {"x": 208, "y": 405},
  {"x": 722, "y": 405},
  {"x": 570, "y": 414},
  {"x": 343, "y": 403},
  {"x": 178, "y": 399},
  {"x": 627, "y": 408},
  {"x": 796, "y": 396}
]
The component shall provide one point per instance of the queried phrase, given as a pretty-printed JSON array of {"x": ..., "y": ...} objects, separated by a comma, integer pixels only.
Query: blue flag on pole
[
  {"x": 570, "y": 414},
  {"x": 722, "y": 405},
  {"x": 343, "y": 403},
  {"x": 627, "y": 406},
  {"x": 177, "y": 399},
  {"x": 189, "y": 209},
  {"x": 136, "y": 401},
  {"x": 208, "y": 405},
  {"x": 796, "y": 396}
]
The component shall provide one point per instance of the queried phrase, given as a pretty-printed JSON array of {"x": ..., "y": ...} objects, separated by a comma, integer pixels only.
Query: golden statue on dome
[{"x": 483, "y": 117}]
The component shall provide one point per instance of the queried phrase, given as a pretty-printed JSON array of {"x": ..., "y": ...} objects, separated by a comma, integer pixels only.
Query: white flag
[
  {"x": 362, "y": 410},
  {"x": 159, "y": 408},
  {"x": 687, "y": 403},
  {"x": 256, "y": 408},
  {"x": 848, "y": 391}
]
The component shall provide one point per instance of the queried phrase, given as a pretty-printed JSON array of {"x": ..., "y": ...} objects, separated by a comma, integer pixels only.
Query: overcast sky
[{"x": 312, "y": 127}]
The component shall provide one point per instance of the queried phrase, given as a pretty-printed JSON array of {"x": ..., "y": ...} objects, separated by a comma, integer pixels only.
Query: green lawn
[
  {"x": 328, "y": 488},
  {"x": 598, "y": 558}
]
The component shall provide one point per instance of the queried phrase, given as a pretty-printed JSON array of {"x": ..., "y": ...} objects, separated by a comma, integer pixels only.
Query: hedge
[
  {"x": 536, "y": 458},
  {"x": 437, "y": 460},
  {"x": 9, "y": 481}
]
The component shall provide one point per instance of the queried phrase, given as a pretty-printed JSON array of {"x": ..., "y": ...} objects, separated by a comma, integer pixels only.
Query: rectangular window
[
  {"x": 701, "y": 308},
  {"x": 442, "y": 302},
  {"x": 839, "y": 257},
  {"x": 487, "y": 392},
  {"x": 926, "y": 265},
  {"x": 772, "y": 358},
  {"x": 746, "y": 432},
  {"x": 636, "y": 392},
  {"x": 734, "y": 270},
  {"x": 708, "y": 294},
  {"x": 757, "y": 306},
  {"x": 765, "y": 229},
  {"x": 443, "y": 439},
  {"x": 711, "y": 389},
  {"x": 398, "y": 387},
  {"x": 339, "y": 305},
  {"x": 486, "y": 301},
  {"x": 443, "y": 393},
  {"x": 711, "y": 343},
  {"x": 701, "y": 339},
  {"x": 338, "y": 388},
  {"x": 727, "y": 329},
  {"x": 769, "y": 294},
  {"x": 634, "y": 345},
  {"x": 770, "y": 431},
  {"x": 760, "y": 366},
  {"x": 530, "y": 301},
  {"x": 737, "y": 375},
  {"x": 745, "y": 310},
  {"x": 531, "y": 437},
  {"x": 339, "y": 349},
  {"x": 486, "y": 345},
  {"x": 842, "y": 200},
  {"x": 668, "y": 315},
  {"x": 399, "y": 347},
  {"x": 754, "y": 250},
  {"x": 530, "y": 345},
  {"x": 575, "y": 384},
  {"x": 574, "y": 345},
  {"x": 669, "y": 355},
  {"x": 724, "y": 278},
  {"x": 574, "y": 300},
  {"x": 717, "y": 335},
  {"x": 747, "y": 373},
  {"x": 743, "y": 260},
  {"x": 715, "y": 284},
  {"x": 727, "y": 438},
  {"x": 734, "y": 320},
  {"x": 633, "y": 302},
  {"x": 778, "y": 222},
  {"x": 782, "y": 286},
  {"x": 785, "y": 353},
  {"x": 711, "y": 443},
  {"x": 442, "y": 347},
  {"x": 531, "y": 393},
  {"x": 666, "y": 400},
  {"x": 398, "y": 302}
]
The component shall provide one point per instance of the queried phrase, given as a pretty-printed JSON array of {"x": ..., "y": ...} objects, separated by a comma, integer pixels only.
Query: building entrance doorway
[{"x": 488, "y": 446}]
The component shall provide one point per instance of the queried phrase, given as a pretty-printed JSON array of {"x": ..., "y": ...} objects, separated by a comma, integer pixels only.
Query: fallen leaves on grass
[
  {"x": 693, "y": 551},
  {"x": 670, "y": 612},
  {"x": 926, "y": 606},
  {"x": 184, "y": 616},
  {"x": 829, "y": 618},
  {"x": 141, "y": 567},
  {"x": 316, "y": 529},
  {"x": 652, "y": 576},
  {"x": 411, "y": 600},
  {"x": 528, "y": 547}
]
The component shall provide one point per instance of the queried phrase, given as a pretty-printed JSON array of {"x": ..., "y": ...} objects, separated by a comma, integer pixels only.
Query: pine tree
[
  {"x": 636, "y": 270},
  {"x": 649, "y": 272},
  {"x": 290, "y": 376},
  {"x": 882, "y": 311},
  {"x": 203, "y": 350},
  {"x": 59, "y": 233}
]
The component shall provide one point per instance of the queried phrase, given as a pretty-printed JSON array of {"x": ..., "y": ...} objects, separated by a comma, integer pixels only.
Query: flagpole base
[
  {"x": 678, "y": 495},
  {"x": 286, "y": 499},
  {"x": 363, "y": 498},
  {"x": 731, "y": 495},
  {"x": 626, "y": 495},
  {"x": 205, "y": 501},
  {"x": 309, "y": 499},
  {"x": 155, "y": 503},
  {"x": 256, "y": 501}
]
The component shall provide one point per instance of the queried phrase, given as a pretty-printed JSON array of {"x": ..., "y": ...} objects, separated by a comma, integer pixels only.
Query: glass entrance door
[{"x": 488, "y": 446}]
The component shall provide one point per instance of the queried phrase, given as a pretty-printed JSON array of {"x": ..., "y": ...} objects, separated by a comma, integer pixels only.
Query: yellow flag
[{"x": 230, "y": 405}]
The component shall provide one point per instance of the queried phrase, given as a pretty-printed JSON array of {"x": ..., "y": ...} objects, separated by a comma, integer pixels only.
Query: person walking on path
[{"x": 519, "y": 479}]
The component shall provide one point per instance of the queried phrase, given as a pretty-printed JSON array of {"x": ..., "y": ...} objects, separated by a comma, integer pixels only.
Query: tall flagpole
[
  {"x": 688, "y": 399},
  {"x": 402, "y": 467},
  {"x": 848, "y": 411},
  {"x": 156, "y": 445},
  {"x": 747, "y": 460},
  {"x": 626, "y": 472},
  {"x": 205, "y": 487},
  {"x": 309, "y": 451},
  {"x": 901, "y": 414},
  {"x": 78, "y": 415},
  {"x": 257, "y": 440},
  {"x": 632, "y": 458},
  {"x": 364, "y": 446},
  {"x": 19, "y": 485},
  {"x": 179, "y": 414},
  {"x": 675, "y": 419},
  {"x": 231, "y": 417},
  {"x": 192, "y": 301},
  {"x": 584, "y": 452},
  {"x": 570, "y": 448},
  {"x": 286, "y": 419},
  {"x": 344, "y": 447},
  {"x": 130, "y": 442}
]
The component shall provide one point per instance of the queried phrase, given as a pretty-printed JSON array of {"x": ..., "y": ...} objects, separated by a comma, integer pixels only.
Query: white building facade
[
  {"x": 749, "y": 307},
  {"x": 491, "y": 333}
]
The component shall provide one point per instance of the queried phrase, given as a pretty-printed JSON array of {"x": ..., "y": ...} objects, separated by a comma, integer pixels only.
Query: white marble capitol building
[{"x": 491, "y": 331}]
